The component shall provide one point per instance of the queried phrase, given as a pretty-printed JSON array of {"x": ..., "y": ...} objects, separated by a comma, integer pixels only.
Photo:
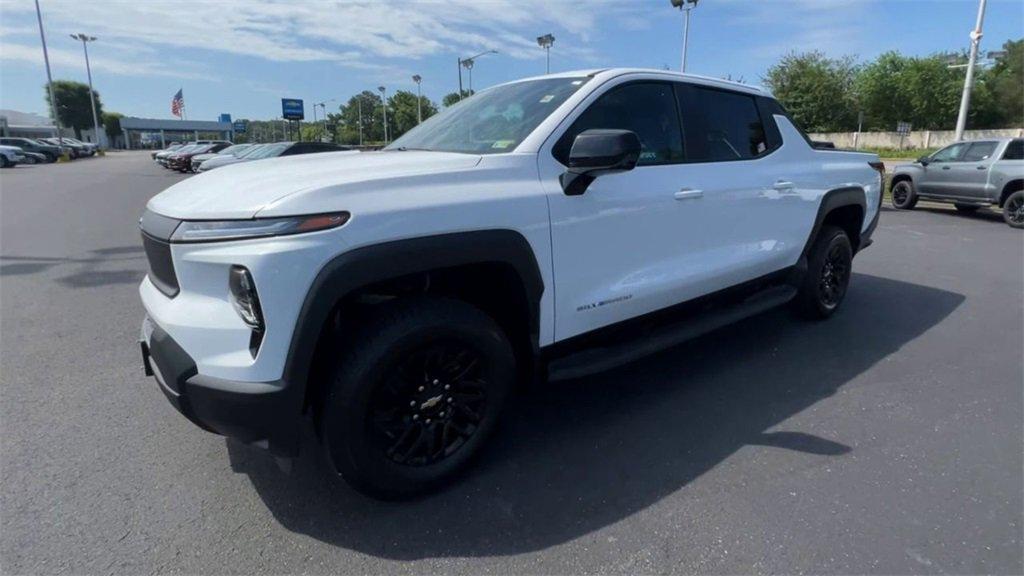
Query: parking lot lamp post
[
  {"x": 384, "y": 106},
  {"x": 467, "y": 63},
  {"x": 965, "y": 100},
  {"x": 419, "y": 98},
  {"x": 685, "y": 6},
  {"x": 49, "y": 81},
  {"x": 88, "y": 72},
  {"x": 545, "y": 42},
  {"x": 359, "y": 104}
]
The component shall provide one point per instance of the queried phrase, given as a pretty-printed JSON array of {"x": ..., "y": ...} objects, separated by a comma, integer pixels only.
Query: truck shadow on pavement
[{"x": 576, "y": 456}]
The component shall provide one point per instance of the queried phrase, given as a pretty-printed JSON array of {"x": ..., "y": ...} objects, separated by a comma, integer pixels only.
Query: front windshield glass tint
[{"x": 493, "y": 121}]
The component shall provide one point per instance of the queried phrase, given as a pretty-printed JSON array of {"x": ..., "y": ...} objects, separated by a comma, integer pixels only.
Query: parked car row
[
  {"x": 44, "y": 150},
  {"x": 205, "y": 155}
]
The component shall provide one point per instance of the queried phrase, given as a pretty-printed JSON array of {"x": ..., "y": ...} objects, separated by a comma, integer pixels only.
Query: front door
[
  {"x": 970, "y": 174},
  {"x": 937, "y": 177}
]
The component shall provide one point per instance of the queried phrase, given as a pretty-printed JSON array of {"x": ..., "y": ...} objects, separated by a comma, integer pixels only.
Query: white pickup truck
[{"x": 531, "y": 232}]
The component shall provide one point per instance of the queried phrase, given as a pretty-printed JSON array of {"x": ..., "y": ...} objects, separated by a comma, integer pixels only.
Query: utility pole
[
  {"x": 685, "y": 6},
  {"x": 384, "y": 105},
  {"x": 965, "y": 100},
  {"x": 88, "y": 71},
  {"x": 49, "y": 79},
  {"x": 419, "y": 98}
]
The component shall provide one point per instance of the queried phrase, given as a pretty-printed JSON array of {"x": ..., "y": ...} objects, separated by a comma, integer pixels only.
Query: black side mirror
[
  {"x": 596, "y": 152},
  {"x": 924, "y": 161}
]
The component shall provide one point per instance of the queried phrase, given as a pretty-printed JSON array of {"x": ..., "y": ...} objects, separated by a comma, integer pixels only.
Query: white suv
[{"x": 394, "y": 298}]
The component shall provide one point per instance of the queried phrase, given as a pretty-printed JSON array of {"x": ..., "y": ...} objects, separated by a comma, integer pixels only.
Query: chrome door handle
[
  {"x": 688, "y": 194},
  {"x": 783, "y": 185},
  {"x": 945, "y": 167},
  {"x": 982, "y": 168}
]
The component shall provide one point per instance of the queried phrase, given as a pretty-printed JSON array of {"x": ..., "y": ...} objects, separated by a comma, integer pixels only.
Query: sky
[{"x": 242, "y": 57}]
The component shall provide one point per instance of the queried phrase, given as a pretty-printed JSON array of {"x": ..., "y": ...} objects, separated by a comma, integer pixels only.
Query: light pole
[
  {"x": 88, "y": 71},
  {"x": 323, "y": 107},
  {"x": 685, "y": 6},
  {"x": 545, "y": 42},
  {"x": 419, "y": 99},
  {"x": 49, "y": 79},
  {"x": 965, "y": 100},
  {"x": 359, "y": 104},
  {"x": 384, "y": 105},
  {"x": 467, "y": 63}
]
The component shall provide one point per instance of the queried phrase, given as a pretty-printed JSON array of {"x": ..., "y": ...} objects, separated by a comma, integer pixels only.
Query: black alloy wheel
[
  {"x": 430, "y": 405},
  {"x": 835, "y": 275},
  {"x": 1013, "y": 209}
]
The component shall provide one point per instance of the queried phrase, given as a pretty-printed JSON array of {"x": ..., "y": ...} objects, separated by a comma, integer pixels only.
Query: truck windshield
[{"x": 493, "y": 121}]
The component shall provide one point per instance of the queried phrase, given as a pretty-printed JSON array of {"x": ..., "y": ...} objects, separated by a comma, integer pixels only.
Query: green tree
[
  {"x": 1004, "y": 84},
  {"x": 816, "y": 90},
  {"x": 112, "y": 124},
  {"x": 365, "y": 105},
  {"x": 402, "y": 112},
  {"x": 922, "y": 91},
  {"x": 453, "y": 97},
  {"x": 74, "y": 109}
]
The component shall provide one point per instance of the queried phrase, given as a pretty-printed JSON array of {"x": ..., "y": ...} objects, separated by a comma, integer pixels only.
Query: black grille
[{"x": 161, "y": 267}]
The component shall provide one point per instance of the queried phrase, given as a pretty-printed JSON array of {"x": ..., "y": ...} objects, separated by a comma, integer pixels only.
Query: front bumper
[{"x": 258, "y": 413}]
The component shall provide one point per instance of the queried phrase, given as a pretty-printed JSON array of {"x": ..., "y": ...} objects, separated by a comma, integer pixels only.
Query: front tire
[
  {"x": 415, "y": 394},
  {"x": 903, "y": 195},
  {"x": 3, "y": 161},
  {"x": 1013, "y": 210},
  {"x": 829, "y": 266}
]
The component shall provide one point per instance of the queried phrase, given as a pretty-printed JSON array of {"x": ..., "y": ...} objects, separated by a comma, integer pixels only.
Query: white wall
[{"x": 916, "y": 139}]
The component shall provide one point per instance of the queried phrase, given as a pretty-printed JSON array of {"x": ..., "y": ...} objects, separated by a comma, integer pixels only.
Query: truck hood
[{"x": 241, "y": 190}]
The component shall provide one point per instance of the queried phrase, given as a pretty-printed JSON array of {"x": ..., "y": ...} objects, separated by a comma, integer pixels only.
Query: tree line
[
  {"x": 822, "y": 94},
  {"x": 831, "y": 94}
]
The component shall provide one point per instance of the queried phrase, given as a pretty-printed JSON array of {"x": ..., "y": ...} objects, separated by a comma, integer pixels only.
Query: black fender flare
[
  {"x": 839, "y": 198},
  {"x": 366, "y": 265}
]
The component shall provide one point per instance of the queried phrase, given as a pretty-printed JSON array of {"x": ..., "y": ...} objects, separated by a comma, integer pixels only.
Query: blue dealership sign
[
  {"x": 292, "y": 109},
  {"x": 225, "y": 118},
  {"x": 239, "y": 127}
]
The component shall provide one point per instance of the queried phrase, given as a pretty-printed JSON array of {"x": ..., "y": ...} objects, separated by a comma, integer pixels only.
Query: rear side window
[
  {"x": 1014, "y": 151},
  {"x": 979, "y": 151},
  {"x": 648, "y": 109},
  {"x": 720, "y": 125}
]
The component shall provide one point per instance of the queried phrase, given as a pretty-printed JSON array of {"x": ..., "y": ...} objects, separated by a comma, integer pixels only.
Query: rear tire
[
  {"x": 1013, "y": 210},
  {"x": 829, "y": 266},
  {"x": 966, "y": 208},
  {"x": 414, "y": 395},
  {"x": 903, "y": 195}
]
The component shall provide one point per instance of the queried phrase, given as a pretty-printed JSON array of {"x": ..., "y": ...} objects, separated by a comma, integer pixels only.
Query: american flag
[{"x": 177, "y": 104}]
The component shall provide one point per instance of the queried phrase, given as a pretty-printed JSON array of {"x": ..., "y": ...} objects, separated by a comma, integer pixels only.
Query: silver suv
[{"x": 969, "y": 174}]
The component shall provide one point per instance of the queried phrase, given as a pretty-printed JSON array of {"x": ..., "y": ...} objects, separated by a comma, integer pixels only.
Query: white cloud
[
  {"x": 349, "y": 32},
  {"x": 66, "y": 58}
]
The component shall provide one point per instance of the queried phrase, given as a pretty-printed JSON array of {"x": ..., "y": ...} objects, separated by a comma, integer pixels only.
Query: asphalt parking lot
[{"x": 886, "y": 440}]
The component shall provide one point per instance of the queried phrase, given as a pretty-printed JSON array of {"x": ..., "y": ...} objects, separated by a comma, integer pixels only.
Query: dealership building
[{"x": 155, "y": 132}]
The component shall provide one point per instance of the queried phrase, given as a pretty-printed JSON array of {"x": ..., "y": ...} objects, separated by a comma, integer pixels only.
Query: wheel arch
[
  {"x": 1009, "y": 188},
  {"x": 507, "y": 256},
  {"x": 844, "y": 207}
]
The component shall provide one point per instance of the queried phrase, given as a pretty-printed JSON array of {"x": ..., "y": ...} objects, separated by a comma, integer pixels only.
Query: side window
[
  {"x": 979, "y": 151},
  {"x": 648, "y": 109},
  {"x": 720, "y": 125},
  {"x": 1014, "y": 151},
  {"x": 295, "y": 149},
  {"x": 950, "y": 153}
]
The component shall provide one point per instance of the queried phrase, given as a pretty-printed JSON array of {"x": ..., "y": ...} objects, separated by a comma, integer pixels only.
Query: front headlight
[{"x": 220, "y": 230}]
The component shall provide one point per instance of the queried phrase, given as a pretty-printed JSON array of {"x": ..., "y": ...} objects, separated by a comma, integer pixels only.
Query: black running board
[{"x": 599, "y": 359}]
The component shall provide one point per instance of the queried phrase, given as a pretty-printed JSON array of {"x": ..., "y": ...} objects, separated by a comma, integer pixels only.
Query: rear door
[{"x": 970, "y": 174}]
